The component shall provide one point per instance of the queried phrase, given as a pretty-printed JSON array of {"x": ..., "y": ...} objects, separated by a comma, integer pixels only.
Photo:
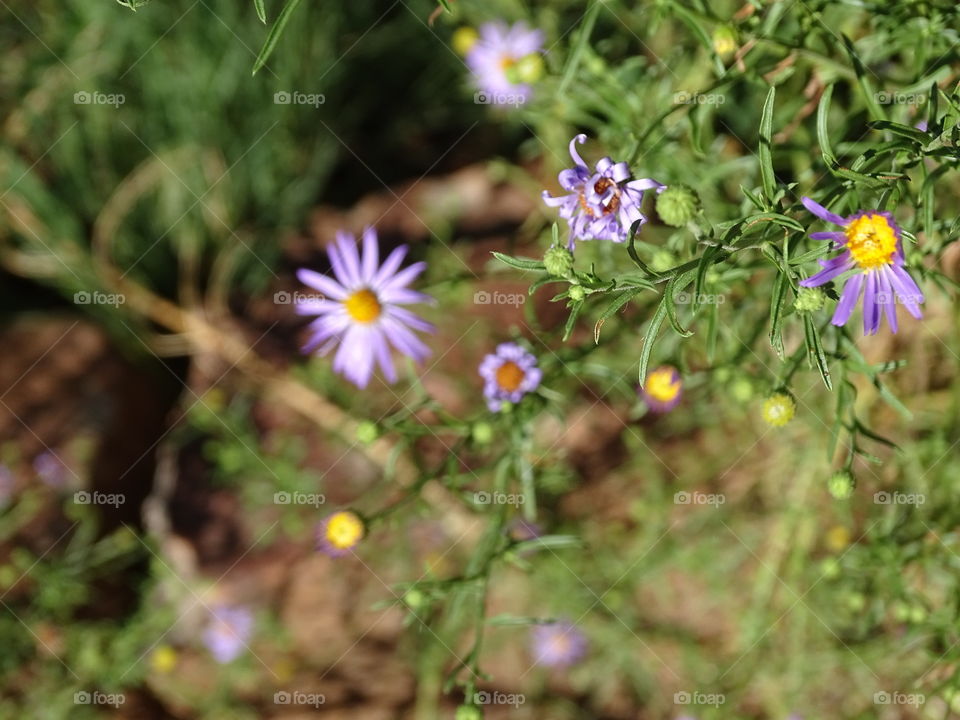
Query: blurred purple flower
[
  {"x": 873, "y": 249},
  {"x": 521, "y": 530},
  {"x": 603, "y": 204},
  {"x": 228, "y": 631},
  {"x": 509, "y": 373},
  {"x": 558, "y": 644},
  {"x": 50, "y": 469},
  {"x": 361, "y": 309},
  {"x": 663, "y": 389},
  {"x": 496, "y": 53}
]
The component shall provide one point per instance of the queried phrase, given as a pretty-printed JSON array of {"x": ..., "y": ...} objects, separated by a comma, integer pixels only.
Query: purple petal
[
  {"x": 907, "y": 291},
  {"x": 821, "y": 212},
  {"x": 327, "y": 286},
  {"x": 382, "y": 352},
  {"x": 351, "y": 259},
  {"x": 404, "y": 277},
  {"x": 871, "y": 309},
  {"x": 645, "y": 184},
  {"x": 837, "y": 237},
  {"x": 339, "y": 267},
  {"x": 887, "y": 299},
  {"x": 411, "y": 319},
  {"x": 390, "y": 265},
  {"x": 371, "y": 255},
  {"x": 404, "y": 340},
  {"x": 832, "y": 268},
  {"x": 848, "y": 300},
  {"x": 573, "y": 149}
]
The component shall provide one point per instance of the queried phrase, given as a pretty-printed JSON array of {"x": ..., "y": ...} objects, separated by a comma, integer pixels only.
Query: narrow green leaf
[
  {"x": 274, "y": 35},
  {"x": 823, "y": 134},
  {"x": 780, "y": 286},
  {"x": 614, "y": 307},
  {"x": 650, "y": 338},
  {"x": 261, "y": 11},
  {"x": 766, "y": 147},
  {"x": 815, "y": 349},
  {"x": 669, "y": 296},
  {"x": 519, "y": 263}
]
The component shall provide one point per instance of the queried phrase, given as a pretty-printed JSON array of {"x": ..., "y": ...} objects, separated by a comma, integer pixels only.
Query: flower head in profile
[
  {"x": 558, "y": 644},
  {"x": 663, "y": 389},
  {"x": 362, "y": 309},
  {"x": 603, "y": 203},
  {"x": 508, "y": 373},
  {"x": 339, "y": 533},
  {"x": 504, "y": 60},
  {"x": 873, "y": 253},
  {"x": 227, "y": 632}
]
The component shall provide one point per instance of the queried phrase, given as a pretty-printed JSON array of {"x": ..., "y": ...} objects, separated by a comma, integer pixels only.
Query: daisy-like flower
[
  {"x": 779, "y": 409},
  {"x": 873, "y": 252},
  {"x": 509, "y": 373},
  {"x": 339, "y": 533},
  {"x": 361, "y": 309},
  {"x": 601, "y": 204},
  {"x": 663, "y": 389},
  {"x": 558, "y": 644},
  {"x": 228, "y": 632},
  {"x": 503, "y": 59}
]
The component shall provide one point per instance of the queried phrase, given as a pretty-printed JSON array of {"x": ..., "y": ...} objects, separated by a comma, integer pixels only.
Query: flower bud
[
  {"x": 464, "y": 39},
  {"x": 529, "y": 68},
  {"x": 809, "y": 300},
  {"x": 779, "y": 409},
  {"x": 577, "y": 293},
  {"x": 367, "y": 432},
  {"x": 725, "y": 41},
  {"x": 678, "y": 205},
  {"x": 469, "y": 712},
  {"x": 841, "y": 485},
  {"x": 482, "y": 433},
  {"x": 558, "y": 261}
]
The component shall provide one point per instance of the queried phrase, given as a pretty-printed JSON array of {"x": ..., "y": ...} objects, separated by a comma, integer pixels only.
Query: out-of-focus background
[{"x": 161, "y": 460}]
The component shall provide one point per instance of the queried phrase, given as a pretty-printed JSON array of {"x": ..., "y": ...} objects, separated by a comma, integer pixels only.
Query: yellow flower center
[
  {"x": 779, "y": 409},
  {"x": 507, "y": 62},
  {"x": 663, "y": 385},
  {"x": 363, "y": 306},
  {"x": 510, "y": 375},
  {"x": 872, "y": 241},
  {"x": 344, "y": 530}
]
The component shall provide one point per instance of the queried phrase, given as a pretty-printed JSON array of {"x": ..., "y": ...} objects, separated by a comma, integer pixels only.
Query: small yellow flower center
[
  {"x": 779, "y": 409},
  {"x": 510, "y": 375},
  {"x": 663, "y": 385},
  {"x": 344, "y": 530},
  {"x": 363, "y": 306},
  {"x": 872, "y": 241},
  {"x": 507, "y": 62}
]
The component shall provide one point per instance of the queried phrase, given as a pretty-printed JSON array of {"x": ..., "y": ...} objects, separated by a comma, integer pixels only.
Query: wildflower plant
[{"x": 678, "y": 263}]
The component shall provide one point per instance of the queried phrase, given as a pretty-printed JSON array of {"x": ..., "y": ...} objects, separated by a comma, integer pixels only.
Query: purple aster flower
[
  {"x": 508, "y": 373},
  {"x": 361, "y": 309},
  {"x": 339, "y": 533},
  {"x": 873, "y": 251},
  {"x": 50, "y": 469},
  {"x": 558, "y": 644},
  {"x": 603, "y": 204},
  {"x": 228, "y": 631},
  {"x": 663, "y": 389},
  {"x": 494, "y": 56}
]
